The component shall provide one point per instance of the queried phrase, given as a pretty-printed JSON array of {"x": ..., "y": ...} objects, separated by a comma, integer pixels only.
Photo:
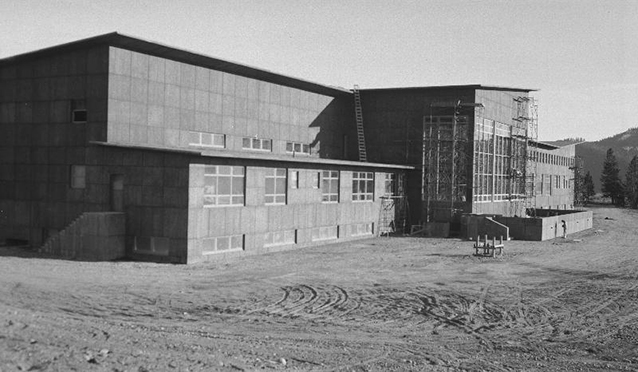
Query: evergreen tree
[
  {"x": 611, "y": 185},
  {"x": 631, "y": 183},
  {"x": 588, "y": 188}
]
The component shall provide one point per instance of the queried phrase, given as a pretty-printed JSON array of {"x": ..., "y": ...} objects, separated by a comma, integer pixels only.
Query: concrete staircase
[{"x": 93, "y": 236}]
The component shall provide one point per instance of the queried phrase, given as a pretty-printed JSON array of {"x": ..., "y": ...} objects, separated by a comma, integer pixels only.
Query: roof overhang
[
  {"x": 543, "y": 145},
  {"x": 452, "y": 87},
  {"x": 257, "y": 157}
]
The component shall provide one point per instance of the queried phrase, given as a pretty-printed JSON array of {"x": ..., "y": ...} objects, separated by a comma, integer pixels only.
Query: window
[
  {"x": 78, "y": 176},
  {"x": 223, "y": 244},
  {"x": 316, "y": 180},
  {"x": 275, "y": 238},
  {"x": 390, "y": 184},
  {"x": 276, "y": 186},
  {"x": 294, "y": 179},
  {"x": 223, "y": 185},
  {"x": 78, "y": 111},
  {"x": 151, "y": 245},
  {"x": 362, "y": 186},
  {"x": 330, "y": 186},
  {"x": 297, "y": 148},
  {"x": 78, "y": 116},
  {"x": 361, "y": 229},
  {"x": 325, "y": 233},
  {"x": 538, "y": 184},
  {"x": 258, "y": 144},
  {"x": 206, "y": 139}
]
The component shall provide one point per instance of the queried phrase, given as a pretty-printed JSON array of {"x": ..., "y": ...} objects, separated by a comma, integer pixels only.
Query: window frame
[
  {"x": 275, "y": 175},
  {"x": 200, "y": 142},
  {"x": 249, "y": 143},
  {"x": 288, "y": 237},
  {"x": 234, "y": 199},
  {"x": 241, "y": 238},
  {"x": 293, "y": 179},
  {"x": 320, "y": 233},
  {"x": 390, "y": 184},
  {"x": 362, "y": 229},
  {"x": 362, "y": 186},
  {"x": 77, "y": 177},
  {"x": 304, "y": 148},
  {"x": 331, "y": 179},
  {"x": 74, "y": 118}
]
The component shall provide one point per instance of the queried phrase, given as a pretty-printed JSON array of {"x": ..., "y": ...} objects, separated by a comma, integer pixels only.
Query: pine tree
[
  {"x": 631, "y": 183},
  {"x": 611, "y": 185},
  {"x": 589, "y": 189}
]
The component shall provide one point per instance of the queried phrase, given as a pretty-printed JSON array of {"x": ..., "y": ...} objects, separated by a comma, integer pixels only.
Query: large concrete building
[
  {"x": 474, "y": 149},
  {"x": 156, "y": 153},
  {"x": 202, "y": 156}
]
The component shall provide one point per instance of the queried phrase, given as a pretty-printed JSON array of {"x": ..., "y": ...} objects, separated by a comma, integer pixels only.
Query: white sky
[{"x": 582, "y": 55}]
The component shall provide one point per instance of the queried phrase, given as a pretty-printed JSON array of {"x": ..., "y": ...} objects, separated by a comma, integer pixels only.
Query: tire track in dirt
[
  {"x": 453, "y": 311},
  {"x": 312, "y": 301},
  {"x": 617, "y": 310}
]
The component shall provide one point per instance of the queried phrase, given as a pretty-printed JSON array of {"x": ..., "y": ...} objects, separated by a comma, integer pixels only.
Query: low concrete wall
[
  {"x": 97, "y": 236},
  {"x": 481, "y": 225},
  {"x": 550, "y": 227},
  {"x": 495, "y": 229}
]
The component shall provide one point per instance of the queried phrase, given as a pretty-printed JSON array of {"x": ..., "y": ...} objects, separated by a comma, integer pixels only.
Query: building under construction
[
  {"x": 474, "y": 149},
  {"x": 115, "y": 147}
]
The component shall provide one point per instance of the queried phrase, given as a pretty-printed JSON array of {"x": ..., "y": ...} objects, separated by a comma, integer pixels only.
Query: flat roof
[
  {"x": 135, "y": 44},
  {"x": 259, "y": 156},
  {"x": 467, "y": 86},
  {"x": 544, "y": 145},
  {"x": 564, "y": 143},
  {"x": 156, "y": 49}
]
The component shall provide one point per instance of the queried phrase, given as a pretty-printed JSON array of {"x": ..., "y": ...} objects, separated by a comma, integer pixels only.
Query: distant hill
[{"x": 625, "y": 146}]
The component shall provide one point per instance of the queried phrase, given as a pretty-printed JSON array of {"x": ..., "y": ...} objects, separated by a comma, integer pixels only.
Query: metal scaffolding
[
  {"x": 446, "y": 155},
  {"x": 459, "y": 148},
  {"x": 523, "y": 146}
]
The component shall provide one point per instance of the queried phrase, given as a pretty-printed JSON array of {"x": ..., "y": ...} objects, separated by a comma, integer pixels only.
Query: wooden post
[
  {"x": 485, "y": 246},
  {"x": 493, "y": 246}
]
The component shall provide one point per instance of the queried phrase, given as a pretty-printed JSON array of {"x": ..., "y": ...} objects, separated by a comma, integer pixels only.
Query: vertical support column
[
  {"x": 493, "y": 196},
  {"x": 453, "y": 175}
]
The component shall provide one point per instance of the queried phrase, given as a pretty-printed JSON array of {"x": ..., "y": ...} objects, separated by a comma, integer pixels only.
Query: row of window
[
  {"x": 217, "y": 140},
  {"x": 546, "y": 158},
  {"x": 282, "y": 238},
  {"x": 225, "y": 185},
  {"x": 547, "y": 182},
  {"x": 544, "y": 185}
]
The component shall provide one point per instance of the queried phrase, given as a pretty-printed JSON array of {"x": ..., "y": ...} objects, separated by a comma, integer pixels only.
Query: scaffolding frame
[
  {"x": 446, "y": 155},
  {"x": 523, "y": 152},
  {"x": 394, "y": 214}
]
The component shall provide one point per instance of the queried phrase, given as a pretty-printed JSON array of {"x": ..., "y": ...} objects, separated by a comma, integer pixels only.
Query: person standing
[{"x": 564, "y": 225}]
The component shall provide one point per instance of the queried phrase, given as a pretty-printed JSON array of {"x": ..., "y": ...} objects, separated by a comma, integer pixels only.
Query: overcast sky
[{"x": 581, "y": 55}]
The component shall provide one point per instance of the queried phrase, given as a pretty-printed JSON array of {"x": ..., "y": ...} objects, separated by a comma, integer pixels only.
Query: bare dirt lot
[{"x": 386, "y": 304}]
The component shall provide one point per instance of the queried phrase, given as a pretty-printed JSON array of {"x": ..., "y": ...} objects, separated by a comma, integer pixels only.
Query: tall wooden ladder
[{"x": 359, "y": 116}]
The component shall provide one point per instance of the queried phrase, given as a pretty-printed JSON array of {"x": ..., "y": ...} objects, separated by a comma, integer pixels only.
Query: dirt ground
[{"x": 384, "y": 304}]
